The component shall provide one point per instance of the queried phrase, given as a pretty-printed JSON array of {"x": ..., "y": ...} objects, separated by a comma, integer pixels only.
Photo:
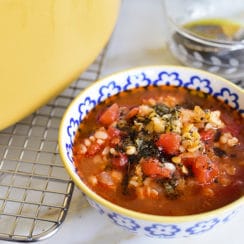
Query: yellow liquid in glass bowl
[{"x": 216, "y": 45}]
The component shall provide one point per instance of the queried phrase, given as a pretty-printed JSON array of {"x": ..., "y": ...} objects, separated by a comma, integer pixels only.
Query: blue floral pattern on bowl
[
  {"x": 231, "y": 215},
  {"x": 168, "y": 78},
  {"x": 158, "y": 75},
  {"x": 199, "y": 84},
  {"x": 85, "y": 107},
  {"x": 108, "y": 90},
  {"x": 134, "y": 81},
  {"x": 162, "y": 230},
  {"x": 228, "y": 97},
  {"x": 202, "y": 226},
  {"x": 71, "y": 129},
  {"x": 96, "y": 206},
  {"x": 125, "y": 222}
]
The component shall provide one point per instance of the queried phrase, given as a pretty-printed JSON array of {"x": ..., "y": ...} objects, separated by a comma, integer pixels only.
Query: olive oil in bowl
[{"x": 216, "y": 45}]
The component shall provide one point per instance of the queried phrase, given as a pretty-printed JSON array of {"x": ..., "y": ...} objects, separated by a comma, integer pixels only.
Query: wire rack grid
[{"x": 35, "y": 190}]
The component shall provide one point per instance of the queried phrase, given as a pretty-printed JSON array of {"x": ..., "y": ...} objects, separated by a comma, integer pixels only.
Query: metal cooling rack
[{"x": 35, "y": 190}]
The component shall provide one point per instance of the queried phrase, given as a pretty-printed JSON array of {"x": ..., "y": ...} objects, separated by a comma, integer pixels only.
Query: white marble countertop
[{"x": 139, "y": 39}]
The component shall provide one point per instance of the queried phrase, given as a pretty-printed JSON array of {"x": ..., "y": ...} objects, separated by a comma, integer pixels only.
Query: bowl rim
[{"x": 124, "y": 211}]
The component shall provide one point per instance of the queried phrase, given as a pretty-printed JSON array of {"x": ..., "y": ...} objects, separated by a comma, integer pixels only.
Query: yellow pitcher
[{"x": 46, "y": 44}]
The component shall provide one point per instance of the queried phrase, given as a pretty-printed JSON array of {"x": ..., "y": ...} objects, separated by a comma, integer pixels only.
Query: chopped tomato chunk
[
  {"x": 113, "y": 131},
  {"x": 231, "y": 125},
  {"x": 153, "y": 168},
  {"x": 233, "y": 129},
  {"x": 93, "y": 149},
  {"x": 169, "y": 142},
  {"x": 207, "y": 134},
  {"x": 120, "y": 161},
  {"x": 114, "y": 135},
  {"x": 204, "y": 170},
  {"x": 133, "y": 112},
  {"x": 110, "y": 115}
]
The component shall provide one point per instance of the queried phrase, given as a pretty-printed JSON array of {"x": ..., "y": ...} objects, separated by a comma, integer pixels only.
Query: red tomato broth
[{"x": 195, "y": 191}]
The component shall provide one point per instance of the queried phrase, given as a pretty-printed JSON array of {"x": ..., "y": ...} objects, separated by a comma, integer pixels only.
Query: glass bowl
[{"x": 208, "y": 35}]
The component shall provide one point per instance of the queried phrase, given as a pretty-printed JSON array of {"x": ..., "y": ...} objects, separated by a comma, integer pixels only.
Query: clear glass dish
[{"x": 208, "y": 34}]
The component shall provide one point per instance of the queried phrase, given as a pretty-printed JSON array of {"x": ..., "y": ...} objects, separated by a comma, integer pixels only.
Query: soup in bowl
[{"x": 158, "y": 150}]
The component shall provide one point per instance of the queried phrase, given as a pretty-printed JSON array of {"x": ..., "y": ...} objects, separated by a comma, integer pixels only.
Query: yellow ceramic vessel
[{"x": 46, "y": 44}]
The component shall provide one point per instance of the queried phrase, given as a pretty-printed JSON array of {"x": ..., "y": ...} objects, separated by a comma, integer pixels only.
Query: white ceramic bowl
[{"x": 149, "y": 225}]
